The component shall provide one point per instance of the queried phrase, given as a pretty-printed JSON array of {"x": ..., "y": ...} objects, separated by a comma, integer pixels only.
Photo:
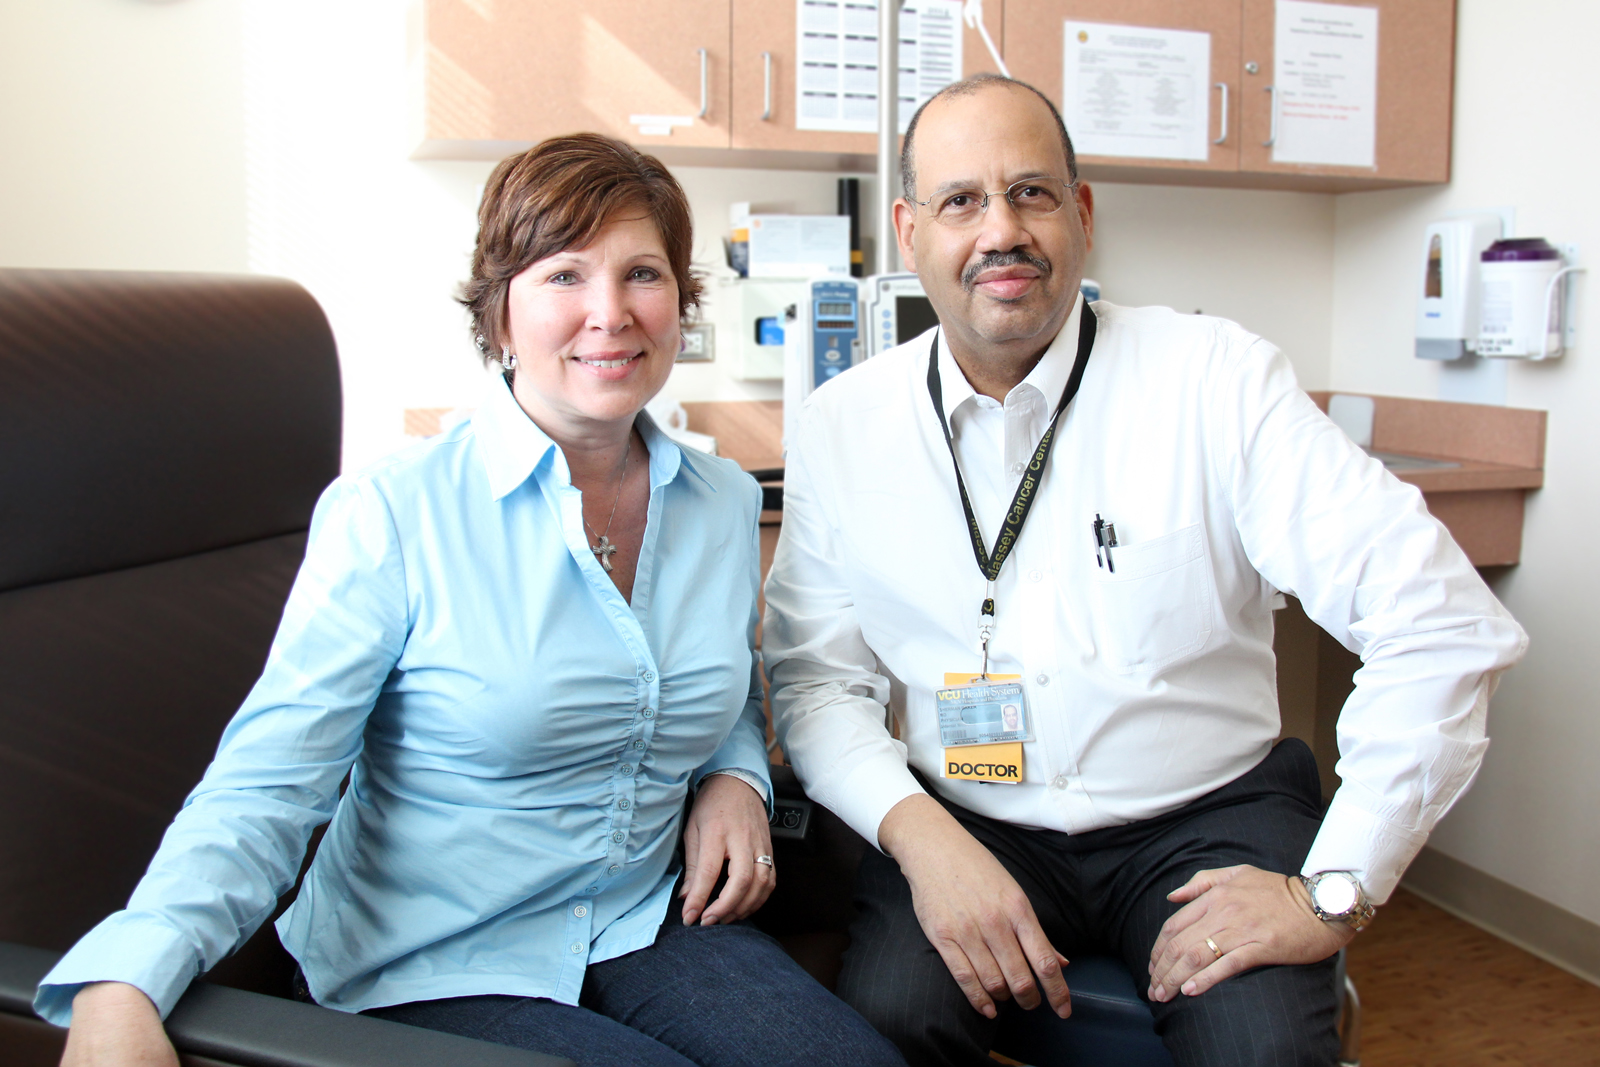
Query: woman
[{"x": 526, "y": 641}]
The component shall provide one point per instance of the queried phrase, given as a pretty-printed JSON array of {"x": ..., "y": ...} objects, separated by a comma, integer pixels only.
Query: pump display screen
[
  {"x": 913, "y": 315},
  {"x": 828, "y": 308}
]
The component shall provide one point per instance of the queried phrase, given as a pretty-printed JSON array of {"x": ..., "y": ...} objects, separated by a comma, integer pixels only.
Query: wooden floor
[{"x": 1439, "y": 992}]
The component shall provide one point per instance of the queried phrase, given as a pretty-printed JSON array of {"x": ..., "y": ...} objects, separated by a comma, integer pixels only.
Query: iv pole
[{"x": 888, "y": 250}]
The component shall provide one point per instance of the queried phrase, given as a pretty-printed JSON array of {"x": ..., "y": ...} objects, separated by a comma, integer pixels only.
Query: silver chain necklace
[{"x": 605, "y": 549}]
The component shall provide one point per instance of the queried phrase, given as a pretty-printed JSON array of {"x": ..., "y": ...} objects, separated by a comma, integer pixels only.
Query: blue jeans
[{"x": 712, "y": 996}]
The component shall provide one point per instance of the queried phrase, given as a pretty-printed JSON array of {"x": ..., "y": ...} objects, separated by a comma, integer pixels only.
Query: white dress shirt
[{"x": 1153, "y": 685}]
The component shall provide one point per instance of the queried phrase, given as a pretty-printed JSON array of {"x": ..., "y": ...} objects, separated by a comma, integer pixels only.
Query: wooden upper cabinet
[
  {"x": 1034, "y": 50},
  {"x": 1416, "y": 70},
  {"x": 768, "y": 26},
  {"x": 502, "y": 71},
  {"x": 497, "y": 74}
]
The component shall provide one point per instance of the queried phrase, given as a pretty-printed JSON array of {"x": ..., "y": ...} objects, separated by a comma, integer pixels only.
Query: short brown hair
[{"x": 557, "y": 195}]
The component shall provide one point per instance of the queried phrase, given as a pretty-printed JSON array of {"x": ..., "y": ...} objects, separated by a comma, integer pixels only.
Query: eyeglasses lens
[{"x": 1032, "y": 198}]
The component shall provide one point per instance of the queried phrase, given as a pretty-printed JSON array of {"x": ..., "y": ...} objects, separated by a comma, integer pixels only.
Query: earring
[{"x": 508, "y": 358}]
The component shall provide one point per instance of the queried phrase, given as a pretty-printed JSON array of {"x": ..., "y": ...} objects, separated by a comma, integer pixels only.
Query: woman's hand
[
  {"x": 728, "y": 822},
  {"x": 115, "y": 1025}
]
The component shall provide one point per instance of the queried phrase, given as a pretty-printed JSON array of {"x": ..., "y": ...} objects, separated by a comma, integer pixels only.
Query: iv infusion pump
[
  {"x": 838, "y": 322},
  {"x": 897, "y": 310},
  {"x": 821, "y": 340}
]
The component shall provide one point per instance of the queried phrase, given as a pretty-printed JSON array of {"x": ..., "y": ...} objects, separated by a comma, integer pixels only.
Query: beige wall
[
  {"x": 1524, "y": 137},
  {"x": 121, "y": 135},
  {"x": 1263, "y": 259}
]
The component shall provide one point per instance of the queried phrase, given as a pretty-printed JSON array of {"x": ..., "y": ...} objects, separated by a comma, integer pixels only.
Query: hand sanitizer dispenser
[
  {"x": 1522, "y": 299},
  {"x": 1447, "y": 305}
]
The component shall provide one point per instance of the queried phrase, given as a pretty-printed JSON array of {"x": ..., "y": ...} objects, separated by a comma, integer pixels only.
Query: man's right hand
[
  {"x": 115, "y": 1025},
  {"x": 972, "y": 910}
]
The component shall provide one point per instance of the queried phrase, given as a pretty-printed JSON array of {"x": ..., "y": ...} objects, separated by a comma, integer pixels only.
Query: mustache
[{"x": 1014, "y": 258}]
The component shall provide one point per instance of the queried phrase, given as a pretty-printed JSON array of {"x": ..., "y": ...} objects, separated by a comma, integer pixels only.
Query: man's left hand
[{"x": 1254, "y": 918}]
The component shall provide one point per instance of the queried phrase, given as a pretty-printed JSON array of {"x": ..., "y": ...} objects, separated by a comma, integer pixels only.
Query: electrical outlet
[
  {"x": 699, "y": 343},
  {"x": 790, "y": 818}
]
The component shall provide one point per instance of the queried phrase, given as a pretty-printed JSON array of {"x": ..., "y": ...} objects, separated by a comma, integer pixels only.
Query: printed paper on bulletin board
[
  {"x": 836, "y": 78},
  {"x": 1136, "y": 91},
  {"x": 1325, "y": 68}
]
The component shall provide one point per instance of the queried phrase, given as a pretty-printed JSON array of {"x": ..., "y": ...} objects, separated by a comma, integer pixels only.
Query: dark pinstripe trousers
[{"x": 1104, "y": 892}]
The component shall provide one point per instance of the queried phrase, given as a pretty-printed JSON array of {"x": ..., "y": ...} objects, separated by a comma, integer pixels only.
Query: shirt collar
[
  {"x": 513, "y": 446},
  {"x": 1049, "y": 376}
]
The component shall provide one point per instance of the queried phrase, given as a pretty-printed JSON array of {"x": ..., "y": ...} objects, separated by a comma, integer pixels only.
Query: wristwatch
[{"x": 1336, "y": 896}]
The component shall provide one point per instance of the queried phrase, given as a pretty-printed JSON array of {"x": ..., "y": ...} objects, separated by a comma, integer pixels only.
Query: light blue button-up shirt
[{"x": 519, "y": 738}]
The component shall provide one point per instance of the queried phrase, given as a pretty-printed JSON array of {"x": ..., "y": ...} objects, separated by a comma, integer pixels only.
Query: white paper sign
[
  {"x": 799, "y": 246},
  {"x": 1326, "y": 73},
  {"x": 1136, "y": 90},
  {"x": 836, "y": 78}
]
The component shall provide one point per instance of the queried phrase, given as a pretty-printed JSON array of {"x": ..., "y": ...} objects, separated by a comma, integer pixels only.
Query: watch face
[{"x": 1335, "y": 893}]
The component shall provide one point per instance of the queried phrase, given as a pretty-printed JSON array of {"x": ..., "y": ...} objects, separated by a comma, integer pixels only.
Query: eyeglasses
[{"x": 1030, "y": 198}]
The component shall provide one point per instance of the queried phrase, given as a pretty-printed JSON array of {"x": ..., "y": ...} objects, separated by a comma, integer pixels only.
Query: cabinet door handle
[
  {"x": 705, "y": 84},
  {"x": 766, "y": 88},
  {"x": 1222, "y": 134},
  {"x": 1272, "y": 129}
]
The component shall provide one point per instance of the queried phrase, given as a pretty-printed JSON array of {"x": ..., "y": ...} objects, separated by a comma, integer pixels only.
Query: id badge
[
  {"x": 982, "y": 725},
  {"x": 982, "y": 712}
]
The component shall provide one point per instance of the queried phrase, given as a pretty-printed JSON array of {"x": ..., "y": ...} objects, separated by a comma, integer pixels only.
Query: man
[{"x": 1116, "y": 565}]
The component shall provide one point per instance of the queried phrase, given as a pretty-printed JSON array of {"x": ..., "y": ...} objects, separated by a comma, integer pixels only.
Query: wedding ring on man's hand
[
  {"x": 765, "y": 859},
  {"x": 1212, "y": 945}
]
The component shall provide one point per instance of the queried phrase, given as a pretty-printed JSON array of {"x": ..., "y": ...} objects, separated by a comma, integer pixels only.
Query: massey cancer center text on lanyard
[{"x": 1022, "y": 502}]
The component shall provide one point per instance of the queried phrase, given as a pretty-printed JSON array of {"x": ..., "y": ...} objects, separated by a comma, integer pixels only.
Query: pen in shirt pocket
[{"x": 1105, "y": 539}]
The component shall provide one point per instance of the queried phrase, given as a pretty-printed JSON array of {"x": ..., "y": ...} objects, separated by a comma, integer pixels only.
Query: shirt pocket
[{"x": 1155, "y": 608}]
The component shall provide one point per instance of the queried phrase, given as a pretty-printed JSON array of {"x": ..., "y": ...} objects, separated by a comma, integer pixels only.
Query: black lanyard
[{"x": 991, "y": 561}]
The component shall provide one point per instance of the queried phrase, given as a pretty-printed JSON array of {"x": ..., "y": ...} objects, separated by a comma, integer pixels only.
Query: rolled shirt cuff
[
  {"x": 746, "y": 777},
  {"x": 1375, "y": 849},
  {"x": 139, "y": 950}
]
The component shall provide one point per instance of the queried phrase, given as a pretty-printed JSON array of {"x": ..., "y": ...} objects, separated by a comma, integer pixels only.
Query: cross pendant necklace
[
  {"x": 605, "y": 549},
  {"x": 603, "y": 552}
]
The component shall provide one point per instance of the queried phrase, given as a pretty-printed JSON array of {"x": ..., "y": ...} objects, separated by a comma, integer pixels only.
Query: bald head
[{"x": 978, "y": 83}]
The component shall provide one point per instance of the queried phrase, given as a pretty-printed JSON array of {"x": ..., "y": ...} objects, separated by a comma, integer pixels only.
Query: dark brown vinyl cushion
[
  {"x": 148, "y": 416},
  {"x": 163, "y": 440},
  {"x": 115, "y": 690}
]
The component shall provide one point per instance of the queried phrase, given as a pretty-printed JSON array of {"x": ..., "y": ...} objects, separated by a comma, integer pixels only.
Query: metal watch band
[{"x": 1360, "y": 913}]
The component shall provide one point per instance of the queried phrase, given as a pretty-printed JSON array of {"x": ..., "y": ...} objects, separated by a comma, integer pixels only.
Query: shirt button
[
  {"x": 1058, "y": 782},
  {"x": 638, "y": 744},
  {"x": 649, "y": 713},
  {"x": 580, "y": 911},
  {"x": 1036, "y": 576},
  {"x": 618, "y": 837},
  {"x": 577, "y": 946},
  {"x": 1017, "y": 468},
  {"x": 624, "y": 803},
  {"x": 613, "y": 869},
  {"x": 1043, "y": 679},
  {"x": 649, "y": 676},
  {"x": 626, "y": 769}
]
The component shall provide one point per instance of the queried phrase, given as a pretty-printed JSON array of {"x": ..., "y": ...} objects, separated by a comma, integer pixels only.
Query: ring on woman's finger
[
  {"x": 1212, "y": 945},
  {"x": 766, "y": 860}
]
